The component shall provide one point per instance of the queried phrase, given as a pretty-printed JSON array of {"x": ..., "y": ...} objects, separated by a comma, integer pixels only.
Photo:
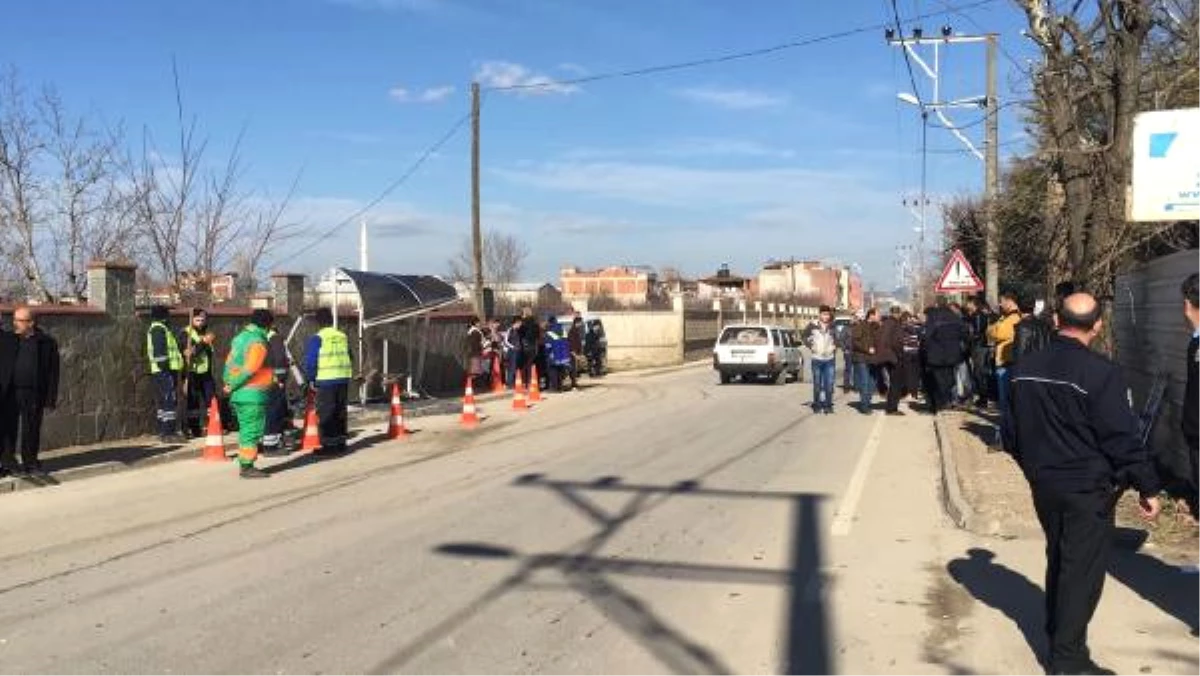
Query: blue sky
[{"x": 805, "y": 152}]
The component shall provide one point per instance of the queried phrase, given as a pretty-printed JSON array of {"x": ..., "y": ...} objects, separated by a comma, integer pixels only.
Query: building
[
  {"x": 626, "y": 285},
  {"x": 518, "y": 294},
  {"x": 817, "y": 283},
  {"x": 725, "y": 284}
]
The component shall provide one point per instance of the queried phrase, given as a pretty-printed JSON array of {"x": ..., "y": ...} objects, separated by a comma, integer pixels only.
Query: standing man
[
  {"x": 1002, "y": 334},
  {"x": 248, "y": 382},
  {"x": 864, "y": 338},
  {"x": 166, "y": 362},
  {"x": 8, "y": 358},
  {"x": 822, "y": 341},
  {"x": 530, "y": 339},
  {"x": 474, "y": 343},
  {"x": 944, "y": 347},
  {"x": 274, "y": 443},
  {"x": 889, "y": 346},
  {"x": 327, "y": 367},
  {"x": 199, "y": 386},
  {"x": 978, "y": 318},
  {"x": 34, "y": 388},
  {"x": 1077, "y": 442},
  {"x": 1191, "y": 392}
]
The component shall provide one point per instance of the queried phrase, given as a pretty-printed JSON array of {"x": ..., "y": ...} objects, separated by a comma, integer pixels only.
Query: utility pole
[
  {"x": 991, "y": 244},
  {"x": 937, "y": 107},
  {"x": 476, "y": 234}
]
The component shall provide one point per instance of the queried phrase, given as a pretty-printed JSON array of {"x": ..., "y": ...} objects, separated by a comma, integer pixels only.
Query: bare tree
[
  {"x": 22, "y": 144},
  {"x": 503, "y": 261}
]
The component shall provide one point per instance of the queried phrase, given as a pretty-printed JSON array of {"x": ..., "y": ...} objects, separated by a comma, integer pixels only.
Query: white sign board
[{"x": 1166, "y": 166}]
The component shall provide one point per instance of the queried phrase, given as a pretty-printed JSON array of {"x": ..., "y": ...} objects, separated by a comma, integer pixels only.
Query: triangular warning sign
[{"x": 958, "y": 276}]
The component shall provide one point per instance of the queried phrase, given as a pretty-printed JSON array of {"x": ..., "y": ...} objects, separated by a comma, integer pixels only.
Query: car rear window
[{"x": 746, "y": 335}]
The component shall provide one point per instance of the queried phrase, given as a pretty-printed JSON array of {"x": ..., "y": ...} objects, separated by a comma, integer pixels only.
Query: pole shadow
[{"x": 585, "y": 571}]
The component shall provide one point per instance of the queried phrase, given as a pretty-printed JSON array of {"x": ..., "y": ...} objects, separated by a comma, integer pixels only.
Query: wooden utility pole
[
  {"x": 991, "y": 247},
  {"x": 476, "y": 233}
]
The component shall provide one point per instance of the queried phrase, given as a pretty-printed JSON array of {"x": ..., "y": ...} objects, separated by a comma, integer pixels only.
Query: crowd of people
[
  {"x": 558, "y": 354},
  {"x": 1064, "y": 415}
]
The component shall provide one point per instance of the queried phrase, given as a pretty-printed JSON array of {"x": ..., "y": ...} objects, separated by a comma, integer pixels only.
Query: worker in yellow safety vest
[
  {"x": 328, "y": 370},
  {"x": 166, "y": 362},
  {"x": 198, "y": 384}
]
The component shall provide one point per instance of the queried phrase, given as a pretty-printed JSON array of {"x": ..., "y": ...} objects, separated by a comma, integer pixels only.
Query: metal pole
[
  {"x": 920, "y": 276},
  {"x": 476, "y": 234},
  {"x": 992, "y": 181}
]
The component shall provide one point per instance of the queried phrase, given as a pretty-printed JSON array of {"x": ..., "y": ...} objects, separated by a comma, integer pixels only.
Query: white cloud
[
  {"x": 430, "y": 95},
  {"x": 733, "y": 99},
  {"x": 505, "y": 74}
]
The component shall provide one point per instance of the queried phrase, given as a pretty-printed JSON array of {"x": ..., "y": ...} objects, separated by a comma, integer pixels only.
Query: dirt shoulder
[{"x": 998, "y": 501}]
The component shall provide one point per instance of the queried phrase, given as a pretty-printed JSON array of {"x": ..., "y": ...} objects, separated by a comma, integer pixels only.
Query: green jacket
[{"x": 247, "y": 374}]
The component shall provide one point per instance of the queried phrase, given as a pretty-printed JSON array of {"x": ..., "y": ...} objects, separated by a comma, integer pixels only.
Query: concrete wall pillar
[
  {"x": 288, "y": 294},
  {"x": 112, "y": 287}
]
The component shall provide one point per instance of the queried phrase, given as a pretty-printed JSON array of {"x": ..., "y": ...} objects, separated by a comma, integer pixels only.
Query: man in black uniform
[
  {"x": 34, "y": 389},
  {"x": 1077, "y": 442},
  {"x": 1191, "y": 393},
  {"x": 274, "y": 442},
  {"x": 8, "y": 404}
]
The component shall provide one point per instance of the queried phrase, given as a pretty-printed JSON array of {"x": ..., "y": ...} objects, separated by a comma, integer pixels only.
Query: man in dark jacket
[
  {"x": 34, "y": 388},
  {"x": 8, "y": 358},
  {"x": 978, "y": 317},
  {"x": 274, "y": 441},
  {"x": 863, "y": 338},
  {"x": 945, "y": 341},
  {"x": 889, "y": 345},
  {"x": 1191, "y": 392},
  {"x": 1077, "y": 442}
]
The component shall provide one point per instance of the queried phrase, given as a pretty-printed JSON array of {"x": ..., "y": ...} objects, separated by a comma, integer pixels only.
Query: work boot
[{"x": 252, "y": 472}]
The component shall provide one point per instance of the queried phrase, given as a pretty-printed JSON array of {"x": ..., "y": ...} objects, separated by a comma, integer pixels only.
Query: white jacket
[{"x": 822, "y": 340}]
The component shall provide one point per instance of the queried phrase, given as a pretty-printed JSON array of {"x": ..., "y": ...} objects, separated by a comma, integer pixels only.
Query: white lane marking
[{"x": 845, "y": 513}]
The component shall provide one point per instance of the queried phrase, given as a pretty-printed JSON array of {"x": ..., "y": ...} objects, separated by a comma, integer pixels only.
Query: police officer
[
  {"x": 327, "y": 368},
  {"x": 274, "y": 442},
  {"x": 166, "y": 362},
  {"x": 199, "y": 386},
  {"x": 1076, "y": 440}
]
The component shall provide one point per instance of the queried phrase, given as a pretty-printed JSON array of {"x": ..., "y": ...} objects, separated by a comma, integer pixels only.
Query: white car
[{"x": 751, "y": 351}]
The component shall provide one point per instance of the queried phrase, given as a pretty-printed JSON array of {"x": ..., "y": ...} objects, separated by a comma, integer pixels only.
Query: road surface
[{"x": 650, "y": 524}]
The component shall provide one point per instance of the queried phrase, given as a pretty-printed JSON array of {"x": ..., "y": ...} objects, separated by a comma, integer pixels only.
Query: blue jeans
[
  {"x": 1002, "y": 390},
  {"x": 864, "y": 379},
  {"x": 510, "y": 371},
  {"x": 823, "y": 374}
]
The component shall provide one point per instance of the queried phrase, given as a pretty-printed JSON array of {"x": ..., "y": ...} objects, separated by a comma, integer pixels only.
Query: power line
[
  {"x": 971, "y": 20},
  {"x": 723, "y": 58},
  {"x": 908, "y": 60},
  {"x": 412, "y": 169},
  {"x": 976, "y": 123}
]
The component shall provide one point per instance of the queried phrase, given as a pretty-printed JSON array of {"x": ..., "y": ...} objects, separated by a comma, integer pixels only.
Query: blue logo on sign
[{"x": 1159, "y": 143}]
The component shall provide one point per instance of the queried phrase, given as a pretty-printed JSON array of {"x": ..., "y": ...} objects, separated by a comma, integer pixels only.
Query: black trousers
[
  {"x": 940, "y": 386},
  {"x": 277, "y": 422},
  {"x": 896, "y": 386},
  {"x": 22, "y": 428},
  {"x": 167, "y": 402},
  {"x": 200, "y": 390},
  {"x": 1078, "y": 528},
  {"x": 331, "y": 415}
]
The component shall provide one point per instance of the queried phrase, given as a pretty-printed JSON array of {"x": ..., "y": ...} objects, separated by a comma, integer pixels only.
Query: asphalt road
[{"x": 650, "y": 524}]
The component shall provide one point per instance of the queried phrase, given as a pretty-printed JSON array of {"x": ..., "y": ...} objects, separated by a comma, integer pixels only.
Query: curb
[{"x": 953, "y": 502}]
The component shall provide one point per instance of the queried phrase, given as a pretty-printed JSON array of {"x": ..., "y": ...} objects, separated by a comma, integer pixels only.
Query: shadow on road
[
  {"x": 1005, "y": 590},
  {"x": 585, "y": 571},
  {"x": 125, "y": 455},
  {"x": 1170, "y": 589}
]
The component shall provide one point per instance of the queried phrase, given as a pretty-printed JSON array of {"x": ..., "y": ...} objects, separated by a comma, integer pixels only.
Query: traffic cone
[
  {"x": 497, "y": 378},
  {"x": 312, "y": 436},
  {"x": 214, "y": 440},
  {"x": 535, "y": 390},
  {"x": 397, "y": 429},
  {"x": 519, "y": 403},
  {"x": 470, "y": 417}
]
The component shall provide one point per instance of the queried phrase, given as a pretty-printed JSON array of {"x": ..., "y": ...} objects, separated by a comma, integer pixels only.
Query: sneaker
[{"x": 252, "y": 472}]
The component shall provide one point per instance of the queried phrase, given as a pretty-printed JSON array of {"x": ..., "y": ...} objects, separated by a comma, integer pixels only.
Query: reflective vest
[
  {"x": 174, "y": 356},
  {"x": 199, "y": 363},
  {"x": 333, "y": 361}
]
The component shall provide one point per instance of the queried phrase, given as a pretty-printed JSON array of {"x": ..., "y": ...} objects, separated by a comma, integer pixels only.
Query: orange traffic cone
[
  {"x": 312, "y": 437},
  {"x": 497, "y": 378},
  {"x": 519, "y": 403},
  {"x": 214, "y": 441},
  {"x": 397, "y": 429},
  {"x": 470, "y": 417},
  {"x": 535, "y": 390}
]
